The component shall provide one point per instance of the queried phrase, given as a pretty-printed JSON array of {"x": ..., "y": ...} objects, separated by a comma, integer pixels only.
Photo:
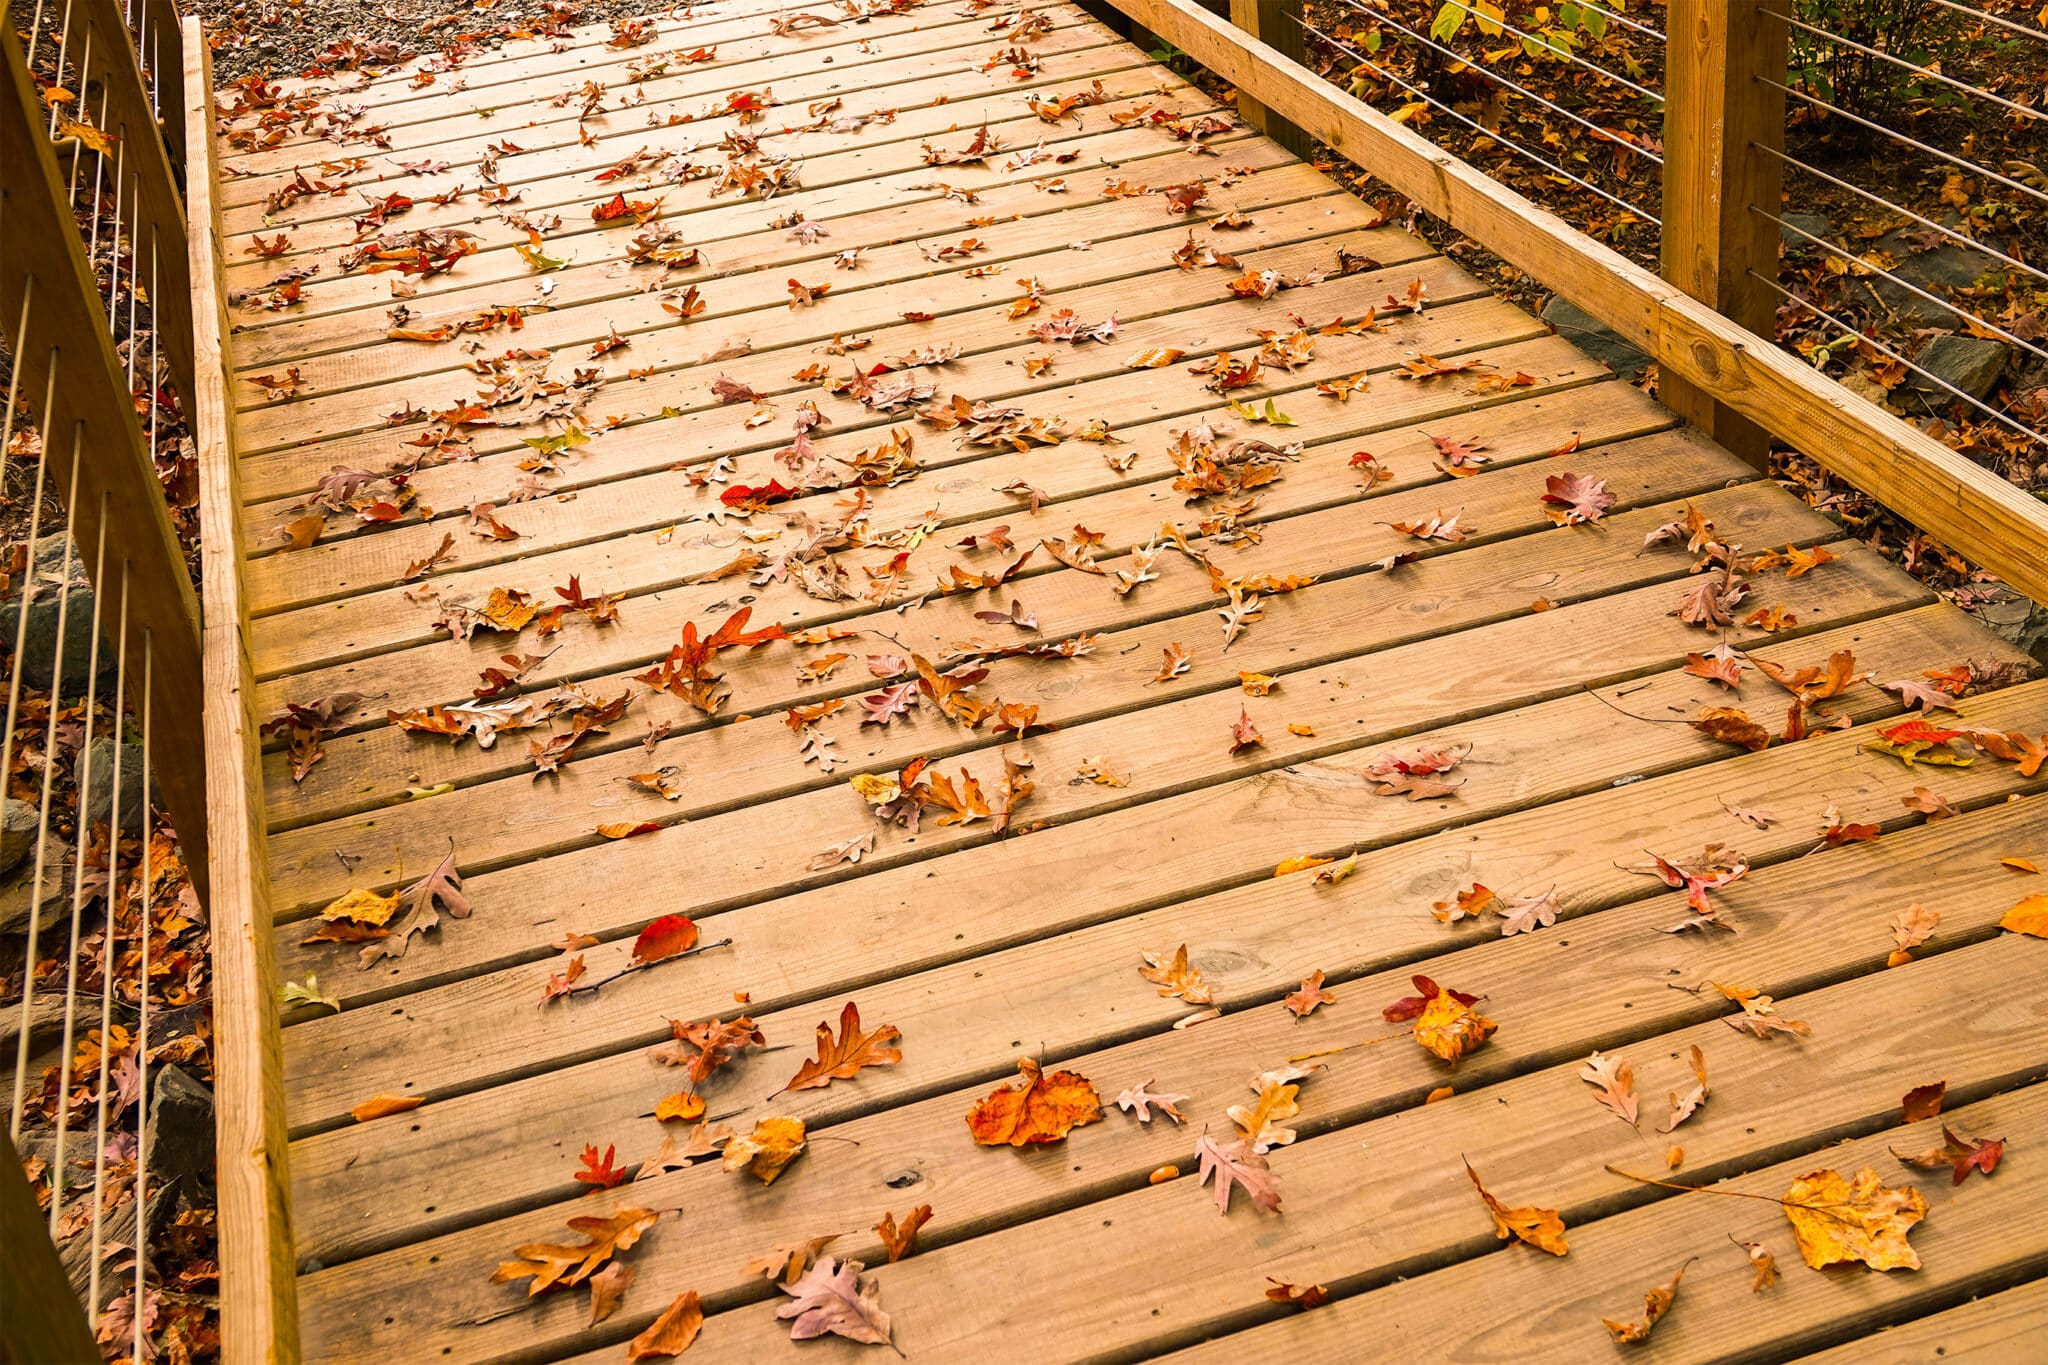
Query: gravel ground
[{"x": 284, "y": 40}]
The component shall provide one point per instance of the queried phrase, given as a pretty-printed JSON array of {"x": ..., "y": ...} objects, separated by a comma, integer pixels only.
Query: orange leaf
[
  {"x": 1540, "y": 1228},
  {"x": 839, "y": 1059},
  {"x": 673, "y": 1332},
  {"x": 2030, "y": 916},
  {"x": 1044, "y": 1109},
  {"x": 378, "y": 1106},
  {"x": 901, "y": 1239}
]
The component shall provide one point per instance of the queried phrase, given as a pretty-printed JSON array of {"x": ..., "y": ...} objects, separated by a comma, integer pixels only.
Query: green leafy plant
[{"x": 1918, "y": 31}]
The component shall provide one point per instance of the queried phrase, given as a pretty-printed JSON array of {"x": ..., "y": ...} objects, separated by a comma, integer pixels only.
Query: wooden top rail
[{"x": 1981, "y": 515}]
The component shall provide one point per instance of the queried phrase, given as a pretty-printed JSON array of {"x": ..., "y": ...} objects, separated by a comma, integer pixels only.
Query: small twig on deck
[
  {"x": 642, "y": 966},
  {"x": 1726, "y": 1194}
]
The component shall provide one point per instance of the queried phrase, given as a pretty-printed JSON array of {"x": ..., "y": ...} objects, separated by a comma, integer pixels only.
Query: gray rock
[
  {"x": 39, "y": 645},
  {"x": 1595, "y": 339},
  {"x": 17, "y": 834},
  {"x": 181, "y": 1128},
  {"x": 1814, "y": 223},
  {"x": 2020, "y": 621},
  {"x": 1972, "y": 364},
  {"x": 99, "y": 804},
  {"x": 1947, "y": 266}
]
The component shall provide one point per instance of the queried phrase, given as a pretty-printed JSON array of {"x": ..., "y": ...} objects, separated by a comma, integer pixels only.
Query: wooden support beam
[
  {"x": 1982, "y": 516},
  {"x": 1716, "y": 116},
  {"x": 258, "y": 1285},
  {"x": 1277, "y": 24},
  {"x": 40, "y": 1319}
]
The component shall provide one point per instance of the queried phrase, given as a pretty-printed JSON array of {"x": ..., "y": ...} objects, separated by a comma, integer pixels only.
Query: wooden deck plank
[
  {"x": 1514, "y": 432},
  {"x": 1081, "y": 984},
  {"x": 2000, "y": 1326},
  {"x": 982, "y": 947},
  {"x": 1403, "y": 1167},
  {"x": 1310, "y": 807}
]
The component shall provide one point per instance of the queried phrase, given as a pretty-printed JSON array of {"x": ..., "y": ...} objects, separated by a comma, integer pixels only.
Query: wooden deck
[{"x": 1519, "y": 647}]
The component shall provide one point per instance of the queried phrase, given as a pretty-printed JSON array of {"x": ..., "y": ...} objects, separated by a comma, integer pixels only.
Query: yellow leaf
[
  {"x": 2030, "y": 917},
  {"x": 875, "y": 789},
  {"x": 2018, "y": 864},
  {"x": 772, "y": 1145},
  {"x": 361, "y": 907},
  {"x": 1300, "y": 863},
  {"x": 681, "y": 1105},
  {"x": 1837, "y": 1220}
]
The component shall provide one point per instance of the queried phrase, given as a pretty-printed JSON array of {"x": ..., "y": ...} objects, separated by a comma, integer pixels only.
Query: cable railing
[
  {"x": 1707, "y": 319},
  {"x": 1414, "y": 65},
  {"x": 104, "y": 669}
]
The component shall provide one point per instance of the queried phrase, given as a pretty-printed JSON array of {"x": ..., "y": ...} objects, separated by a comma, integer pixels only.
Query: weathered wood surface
[{"x": 1523, "y": 640}]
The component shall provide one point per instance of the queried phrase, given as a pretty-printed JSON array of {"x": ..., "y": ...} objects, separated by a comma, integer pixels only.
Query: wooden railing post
[
  {"x": 1277, "y": 24},
  {"x": 1716, "y": 114}
]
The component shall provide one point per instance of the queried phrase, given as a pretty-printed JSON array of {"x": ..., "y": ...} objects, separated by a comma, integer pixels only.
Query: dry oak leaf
[
  {"x": 1243, "y": 734},
  {"x": 1304, "y": 1002},
  {"x": 2030, "y": 917},
  {"x": 671, "y": 1334},
  {"x": 1540, "y": 1228},
  {"x": 1044, "y": 1109},
  {"x": 706, "y": 1045},
  {"x": 841, "y": 1058},
  {"x": 1683, "y": 1106},
  {"x": 1911, "y": 927},
  {"x": 788, "y": 1261},
  {"x": 1175, "y": 977},
  {"x": 1614, "y": 1082},
  {"x": 1656, "y": 1303},
  {"x": 1731, "y": 725},
  {"x": 1962, "y": 1155},
  {"x": 772, "y": 1145},
  {"x": 900, "y": 1239},
  {"x": 1837, "y": 1220},
  {"x": 1259, "y": 1124},
  {"x": 1140, "y": 1097},
  {"x": 830, "y": 1298},
  {"x": 1301, "y": 1296},
  {"x": 551, "y": 1263},
  {"x": 381, "y": 1106},
  {"x": 1763, "y": 1266},
  {"x": 1234, "y": 1165}
]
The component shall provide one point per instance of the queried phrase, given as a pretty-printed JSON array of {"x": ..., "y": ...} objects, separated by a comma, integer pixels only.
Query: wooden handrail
[
  {"x": 92, "y": 412},
  {"x": 258, "y": 1286},
  {"x": 1969, "y": 508}
]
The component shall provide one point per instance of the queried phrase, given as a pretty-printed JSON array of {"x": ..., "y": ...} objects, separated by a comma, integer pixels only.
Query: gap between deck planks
[{"x": 1445, "y": 650}]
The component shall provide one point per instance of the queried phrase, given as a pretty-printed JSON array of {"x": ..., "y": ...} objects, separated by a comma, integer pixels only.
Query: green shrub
[{"x": 1918, "y": 31}]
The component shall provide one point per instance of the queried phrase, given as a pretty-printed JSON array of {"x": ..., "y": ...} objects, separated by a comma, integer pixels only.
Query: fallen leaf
[
  {"x": 673, "y": 1332},
  {"x": 1961, "y": 1155},
  {"x": 901, "y": 1239},
  {"x": 1763, "y": 1266},
  {"x": 664, "y": 938},
  {"x": 1140, "y": 1098},
  {"x": 1175, "y": 977},
  {"x": 788, "y": 1261},
  {"x": 600, "y": 1172},
  {"x": 1837, "y": 1220},
  {"x": 831, "y": 1298},
  {"x": 767, "y": 1150},
  {"x": 607, "y": 1289},
  {"x": 551, "y": 1263},
  {"x": 1539, "y": 1228},
  {"x": 1301, "y": 1296},
  {"x": 1044, "y": 1109},
  {"x": 1311, "y": 995},
  {"x": 1911, "y": 927},
  {"x": 1614, "y": 1085},
  {"x": 1683, "y": 1106},
  {"x": 380, "y": 1106},
  {"x": 1923, "y": 1101},
  {"x": 1656, "y": 1303},
  {"x": 1234, "y": 1166},
  {"x": 842, "y": 1058},
  {"x": 2030, "y": 916}
]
